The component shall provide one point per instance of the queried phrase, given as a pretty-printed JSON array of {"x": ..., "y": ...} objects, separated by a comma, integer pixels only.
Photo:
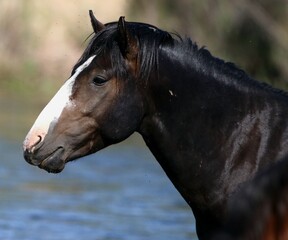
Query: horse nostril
[
  {"x": 32, "y": 144},
  {"x": 30, "y": 147},
  {"x": 36, "y": 145}
]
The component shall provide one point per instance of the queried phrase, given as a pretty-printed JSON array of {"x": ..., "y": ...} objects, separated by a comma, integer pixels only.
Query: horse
[
  {"x": 210, "y": 126},
  {"x": 260, "y": 209}
]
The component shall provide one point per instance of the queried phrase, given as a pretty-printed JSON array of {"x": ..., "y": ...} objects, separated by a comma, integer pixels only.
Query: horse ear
[
  {"x": 126, "y": 41},
  {"x": 97, "y": 26}
]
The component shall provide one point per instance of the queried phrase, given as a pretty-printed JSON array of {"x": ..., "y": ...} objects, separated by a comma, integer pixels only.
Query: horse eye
[{"x": 99, "y": 80}]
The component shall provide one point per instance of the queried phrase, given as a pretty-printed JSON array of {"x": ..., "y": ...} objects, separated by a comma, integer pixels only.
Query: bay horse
[
  {"x": 260, "y": 209},
  {"x": 210, "y": 126}
]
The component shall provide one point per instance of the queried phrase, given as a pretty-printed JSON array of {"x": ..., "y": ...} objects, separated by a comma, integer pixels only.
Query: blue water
[{"x": 118, "y": 193}]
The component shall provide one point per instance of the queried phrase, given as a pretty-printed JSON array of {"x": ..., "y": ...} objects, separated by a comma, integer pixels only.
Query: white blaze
[{"x": 53, "y": 109}]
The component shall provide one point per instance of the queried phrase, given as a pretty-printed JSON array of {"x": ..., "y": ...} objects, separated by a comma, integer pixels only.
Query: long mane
[{"x": 152, "y": 39}]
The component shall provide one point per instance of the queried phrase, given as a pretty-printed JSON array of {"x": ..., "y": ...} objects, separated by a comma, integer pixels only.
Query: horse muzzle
[{"x": 50, "y": 161}]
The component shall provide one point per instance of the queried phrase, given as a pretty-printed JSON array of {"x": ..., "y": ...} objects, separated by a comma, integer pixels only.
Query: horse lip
[{"x": 53, "y": 162}]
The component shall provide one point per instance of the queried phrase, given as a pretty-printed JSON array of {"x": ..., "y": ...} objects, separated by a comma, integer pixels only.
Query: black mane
[{"x": 151, "y": 39}]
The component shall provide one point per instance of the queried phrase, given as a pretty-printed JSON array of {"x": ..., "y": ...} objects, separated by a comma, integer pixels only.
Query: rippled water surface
[{"x": 118, "y": 193}]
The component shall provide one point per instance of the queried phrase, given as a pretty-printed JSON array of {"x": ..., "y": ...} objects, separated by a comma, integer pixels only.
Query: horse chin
[{"x": 53, "y": 163}]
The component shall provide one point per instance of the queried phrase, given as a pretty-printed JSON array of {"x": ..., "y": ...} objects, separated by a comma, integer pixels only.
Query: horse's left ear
[
  {"x": 126, "y": 41},
  {"x": 97, "y": 26}
]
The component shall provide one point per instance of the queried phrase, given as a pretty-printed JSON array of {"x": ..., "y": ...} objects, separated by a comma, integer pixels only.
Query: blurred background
[{"x": 121, "y": 192}]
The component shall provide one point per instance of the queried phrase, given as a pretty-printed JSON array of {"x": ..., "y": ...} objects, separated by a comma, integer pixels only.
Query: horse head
[{"x": 99, "y": 105}]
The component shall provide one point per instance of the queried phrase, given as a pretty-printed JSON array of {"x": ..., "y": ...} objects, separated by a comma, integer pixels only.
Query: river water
[{"x": 118, "y": 193}]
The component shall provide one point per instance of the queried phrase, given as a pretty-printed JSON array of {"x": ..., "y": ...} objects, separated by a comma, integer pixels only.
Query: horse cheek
[{"x": 122, "y": 121}]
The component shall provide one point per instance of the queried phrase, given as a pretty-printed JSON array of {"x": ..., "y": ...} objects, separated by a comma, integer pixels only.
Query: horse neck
[
  {"x": 183, "y": 101},
  {"x": 190, "y": 120}
]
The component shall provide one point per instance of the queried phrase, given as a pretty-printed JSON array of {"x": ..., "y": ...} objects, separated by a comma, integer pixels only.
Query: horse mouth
[{"x": 53, "y": 163}]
